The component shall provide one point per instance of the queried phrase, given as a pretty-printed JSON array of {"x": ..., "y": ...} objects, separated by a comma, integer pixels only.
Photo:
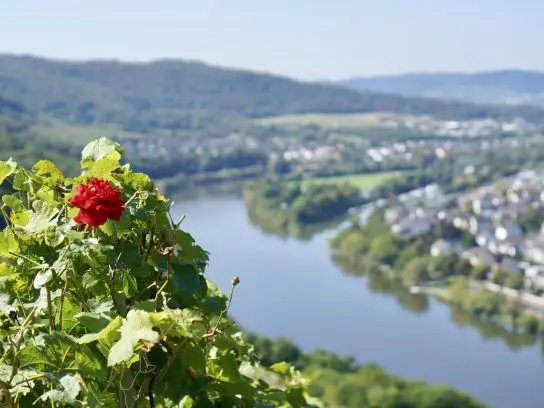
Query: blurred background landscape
[{"x": 380, "y": 164}]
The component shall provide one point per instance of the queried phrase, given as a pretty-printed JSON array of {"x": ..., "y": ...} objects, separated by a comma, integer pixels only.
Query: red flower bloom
[{"x": 97, "y": 201}]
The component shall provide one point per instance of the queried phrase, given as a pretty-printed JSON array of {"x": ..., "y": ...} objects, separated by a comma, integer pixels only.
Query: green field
[
  {"x": 364, "y": 181},
  {"x": 375, "y": 119},
  {"x": 56, "y": 130}
]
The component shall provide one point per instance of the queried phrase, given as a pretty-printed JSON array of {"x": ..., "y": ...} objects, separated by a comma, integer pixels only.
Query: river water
[{"x": 290, "y": 288}]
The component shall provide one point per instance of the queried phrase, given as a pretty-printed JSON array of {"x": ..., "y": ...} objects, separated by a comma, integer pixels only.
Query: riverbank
[{"x": 292, "y": 208}]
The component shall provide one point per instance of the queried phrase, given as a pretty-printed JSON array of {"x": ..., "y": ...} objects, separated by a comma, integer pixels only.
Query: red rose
[{"x": 97, "y": 201}]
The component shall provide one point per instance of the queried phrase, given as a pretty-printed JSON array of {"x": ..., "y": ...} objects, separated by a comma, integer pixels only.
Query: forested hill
[
  {"x": 177, "y": 94},
  {"x": 13, "y": 116}
]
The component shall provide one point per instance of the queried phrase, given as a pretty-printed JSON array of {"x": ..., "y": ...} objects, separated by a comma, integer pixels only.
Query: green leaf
[
  {"x": 8, "y": 244},
  {"x": 54, "y": 237},
  {"x": 100, "y": 307},
  {"x": 190, "y": 253},
  {"x": 164, "y": 388},
  {"x": 20, "y": 377},
  {"x": 13, "y": 202},
  {"x": 26, "y": 181},
  {"x": 214, "y": 304},
  {"x": 117, "y": 228},
  {"x": 226, "y": 366},
  {"x": 98, "y": 399},
  {"x": 295, "y": 396},
  {"x": 104, "y": 167},
  {"x": 189, "y": 283},
  {"x": 107, "y": 336},
  {"x": 175, "y": 322},
  {"x": 68, "y": 395},
  {"x": 42, "y": 278},
  {"x": 92, "y": 321},
  {"x": 193, "y": 356},
  {"x": 20, "y": 218},
  {"x": 136, "y": 181},
  {"x": 59, "y": 354},
  {"x": 234, "y": 388},
  {"x": 148, "y": 305},
  {"x": 99, "y": 149},
  {"x": 48, "y": 168},
  {"x": 5, "y": 171},
  {"x": 42, "y": 217},
  {"x": 136, "y": 327},
  {"x": 7, "y": 273},
  {"x": 281, "y": 368}
]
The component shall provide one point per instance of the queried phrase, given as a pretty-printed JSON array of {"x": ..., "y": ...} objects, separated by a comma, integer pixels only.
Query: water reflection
[
  {"x": 269, "y": 226},
  {"x": 493, "y": 331},
  {"x": 378, "y": 282}
]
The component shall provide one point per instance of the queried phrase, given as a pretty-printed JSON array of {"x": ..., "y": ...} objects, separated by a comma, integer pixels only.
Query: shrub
[{"x": 104, "y": 302}]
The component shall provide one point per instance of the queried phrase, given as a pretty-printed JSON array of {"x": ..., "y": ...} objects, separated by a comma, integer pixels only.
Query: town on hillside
[{"x": 502, "y": 225}]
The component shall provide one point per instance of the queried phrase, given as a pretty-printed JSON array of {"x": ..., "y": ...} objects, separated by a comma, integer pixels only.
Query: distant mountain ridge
[
  {"x": 510, "y": 87},
  {"x": 193, "y": 96}
]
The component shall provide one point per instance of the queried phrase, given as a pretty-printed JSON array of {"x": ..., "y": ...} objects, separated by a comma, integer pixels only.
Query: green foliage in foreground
[
  {"x": 119, "y": 315},
  {"x": 340, "y": 382}
]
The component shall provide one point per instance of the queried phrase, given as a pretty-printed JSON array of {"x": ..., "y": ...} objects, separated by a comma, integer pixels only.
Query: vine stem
[
  {"x": 64, "y": 288},
  {"x": 33, "y": 378},
  {"x": 50, "y": 308},
  {"x": 171, "y": 359},
  {"x": 132, "y": 197},
  {"x": 163, "y": 286},
  {"x": 226, "y": 309}
]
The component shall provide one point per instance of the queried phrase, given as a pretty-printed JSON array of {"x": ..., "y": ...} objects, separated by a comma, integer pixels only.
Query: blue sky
[{"x": 319, "y": 39}]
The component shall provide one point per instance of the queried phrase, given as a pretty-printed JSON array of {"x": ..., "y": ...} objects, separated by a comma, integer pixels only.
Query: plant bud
[{"x": 235, "y": 281}]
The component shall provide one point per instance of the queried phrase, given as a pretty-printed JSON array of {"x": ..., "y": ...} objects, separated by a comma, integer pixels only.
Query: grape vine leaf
[
  {"x": 41, "y": 217},
  {"x": 60, "y": 354},
  {"x": 68, "y": 395},
  {"x": 13, "y": 202},
  {"x": 5, "y": 171},
  {"x": 42, "y": 278},
  {"x": 136, "y": 327},
  {"x": 48, "y": 168},
  {"x": 107, "y": 336},
  {"x": 92, "y": 321},
  {"x": 99, "y": 149}
]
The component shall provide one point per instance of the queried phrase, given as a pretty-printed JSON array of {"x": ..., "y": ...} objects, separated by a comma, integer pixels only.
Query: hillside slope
[
  {"x": 499, "y": 87},
  {"x": 176, "y": 94}
]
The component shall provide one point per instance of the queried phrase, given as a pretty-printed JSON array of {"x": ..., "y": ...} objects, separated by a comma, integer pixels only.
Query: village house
[
  {"x": 394, "y": 214},
  {"x": 477, "y": 256},
  {"x": 508, "y": 230},
  {"x": 533, "y": 249},
  {"x": 534, "y": 277},
  {"x": 444, "y": 247},
  {"x": 410, "y": 228}
]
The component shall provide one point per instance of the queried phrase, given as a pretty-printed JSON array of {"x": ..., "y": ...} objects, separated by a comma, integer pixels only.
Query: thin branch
[
  {"x": 33, "y": 378},
  {"x": 150, "y": 392},
  {"x": 50, "y": 309},
  {"x": 226, "y": 309},
  {"x": 62, "y": 294}
]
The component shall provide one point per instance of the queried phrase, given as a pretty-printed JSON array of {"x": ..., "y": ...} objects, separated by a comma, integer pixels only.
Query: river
[{"x": 291, "y": 288}]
